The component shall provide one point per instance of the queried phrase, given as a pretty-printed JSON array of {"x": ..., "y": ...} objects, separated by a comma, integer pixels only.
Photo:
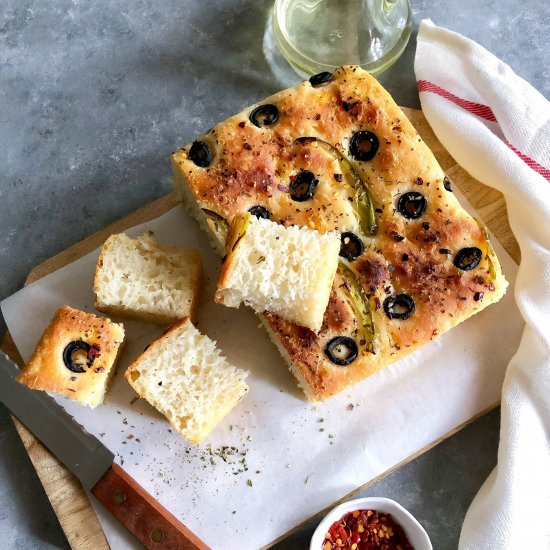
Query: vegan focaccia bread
[
  {"x": 75, "y": 356},
  {"x": 336, "y": 153}
]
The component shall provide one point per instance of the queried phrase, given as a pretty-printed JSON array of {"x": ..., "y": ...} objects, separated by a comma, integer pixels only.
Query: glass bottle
[{"x": 321, "y": 35}]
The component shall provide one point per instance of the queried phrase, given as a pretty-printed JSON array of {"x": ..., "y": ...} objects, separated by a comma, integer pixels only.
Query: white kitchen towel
[{"x": 497, "y": 126}]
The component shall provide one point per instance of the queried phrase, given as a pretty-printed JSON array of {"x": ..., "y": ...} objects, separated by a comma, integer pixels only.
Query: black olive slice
[
  {"x": 68, "y": 352},
  {"x": 363, "y": 145},
  {"x": 412, "y": 205},
  {"x": 303, "y": 186},
  {"x": 351, "y": 246},
  {"x": 399, "y": 306},
  {"x": 200, "y": 154},
  {"x": 264, "y": 115},
  {"x": 447, "y": 184},
  {"x": 259, "y": 212},
  {"x": 321, "y": 78},
  {"x": 342, "y": 351},
  {"x": 468, "y": 258}
]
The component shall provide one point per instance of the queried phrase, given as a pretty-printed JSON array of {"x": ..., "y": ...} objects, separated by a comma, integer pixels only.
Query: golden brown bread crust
[
  {"x": 254, "y": 166},
  {"x": 46, "y": 370},
  {"x": 239, "y": 226}
]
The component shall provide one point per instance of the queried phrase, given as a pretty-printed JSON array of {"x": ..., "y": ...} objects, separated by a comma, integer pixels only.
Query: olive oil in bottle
[{"x": 321, "y": 35}]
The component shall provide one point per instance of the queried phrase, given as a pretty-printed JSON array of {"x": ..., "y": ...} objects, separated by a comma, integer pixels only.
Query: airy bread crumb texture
[
  {"x": 184, "y": 376},
  {"x": 285, "y": 270},
  {"x": 141, "y": 278}
]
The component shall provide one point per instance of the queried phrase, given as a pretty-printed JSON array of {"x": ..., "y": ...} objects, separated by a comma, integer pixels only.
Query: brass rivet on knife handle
[
  {"x": 119, "y": 497},
  {"x": 157, "y": 535},
  {"x": 154, "y": 526}
]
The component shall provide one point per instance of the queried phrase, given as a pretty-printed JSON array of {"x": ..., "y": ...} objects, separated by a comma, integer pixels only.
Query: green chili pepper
[
  {"x": 361, "y": 305},
  {"x": 217, "y": 223},
  {"x": 362, "y": 200},
  {"x": 490, "y": 252}
]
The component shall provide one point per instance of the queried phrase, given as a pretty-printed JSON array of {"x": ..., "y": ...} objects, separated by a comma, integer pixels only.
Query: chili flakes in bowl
[{"x": 366, "y": 530}]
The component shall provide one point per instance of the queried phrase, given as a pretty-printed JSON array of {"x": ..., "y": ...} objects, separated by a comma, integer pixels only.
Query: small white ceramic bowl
[{"x": 415, "y": 532}]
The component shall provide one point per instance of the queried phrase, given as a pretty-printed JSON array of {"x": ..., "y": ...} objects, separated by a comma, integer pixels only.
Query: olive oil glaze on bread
[{"x": 336, "y": 153}]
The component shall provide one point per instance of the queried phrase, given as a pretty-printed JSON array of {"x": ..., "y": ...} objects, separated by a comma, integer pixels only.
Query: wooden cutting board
[{"x": 69, "y": 501}]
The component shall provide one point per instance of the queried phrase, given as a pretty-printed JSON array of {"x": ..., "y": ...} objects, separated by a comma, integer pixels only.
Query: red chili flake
[
  {"x": 241, "y": 124},
  {"x": 317, "y": 116},
  {"x": 366, "y": 529},
  {"x": 93, "y": 352},
  {"x": 418, "y": 181},
  {"x": 99, "y": 369}
]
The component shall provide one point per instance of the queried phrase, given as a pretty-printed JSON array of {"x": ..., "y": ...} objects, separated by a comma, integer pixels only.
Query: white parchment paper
[{"x": 290, "y": 458}]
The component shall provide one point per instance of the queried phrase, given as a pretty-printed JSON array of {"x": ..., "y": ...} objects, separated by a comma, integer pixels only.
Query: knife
[{"x": 92, "y": 463}]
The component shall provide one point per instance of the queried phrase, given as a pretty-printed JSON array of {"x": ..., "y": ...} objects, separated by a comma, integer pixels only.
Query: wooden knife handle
[{"x": 154, "y": 526}]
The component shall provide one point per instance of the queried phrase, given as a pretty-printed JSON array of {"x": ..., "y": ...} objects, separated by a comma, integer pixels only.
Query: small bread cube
[
  {"x": 285, "y": 270},
  {"x": 183, "y": 376},
  {"x": 142, "y": 279},
  {"x": 75, "y": 356}
]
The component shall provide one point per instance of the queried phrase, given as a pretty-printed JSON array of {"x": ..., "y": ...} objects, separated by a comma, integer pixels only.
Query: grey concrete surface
[{"x": 93, "y": 97}]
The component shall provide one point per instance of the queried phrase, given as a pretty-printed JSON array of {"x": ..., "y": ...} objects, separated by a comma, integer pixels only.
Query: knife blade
[
  {"x": 93, "y": 464},
  {"x": 84, "y": 455}
]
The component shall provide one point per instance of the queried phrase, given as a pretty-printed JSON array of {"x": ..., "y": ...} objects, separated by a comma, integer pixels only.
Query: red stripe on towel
[
  {"x": 482, "y": 111},
  {"x": 532, "y": 163}
]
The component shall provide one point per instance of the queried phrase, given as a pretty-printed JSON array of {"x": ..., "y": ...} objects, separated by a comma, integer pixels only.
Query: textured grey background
[{"x": 94, "y": 96}]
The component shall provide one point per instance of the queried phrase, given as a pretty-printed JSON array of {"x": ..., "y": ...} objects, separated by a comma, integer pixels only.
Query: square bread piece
[
  {"x": 75, "y": 356},
  {"x": 183, "y": 376},
  {"x": 336, "y": 153},
  {"x": 142, "y": 279},
  {"x": 285, "y": 270}
]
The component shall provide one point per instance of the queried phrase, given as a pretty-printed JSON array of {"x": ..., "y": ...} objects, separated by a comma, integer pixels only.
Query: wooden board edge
[
  {"x": 488, "y": 202},
  {"x": 89, "y": 244},
  {"x": 69, "y": 501}
]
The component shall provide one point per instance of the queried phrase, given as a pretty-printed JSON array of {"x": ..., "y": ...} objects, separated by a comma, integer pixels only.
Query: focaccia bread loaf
[
  {"x": 284, "y": 270},
  {"x": 184, "y": 376},
  {"x": 143, "y": 279},
  {"x": 337, "y": 154},
  {"x": 75, "y": 356}
]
